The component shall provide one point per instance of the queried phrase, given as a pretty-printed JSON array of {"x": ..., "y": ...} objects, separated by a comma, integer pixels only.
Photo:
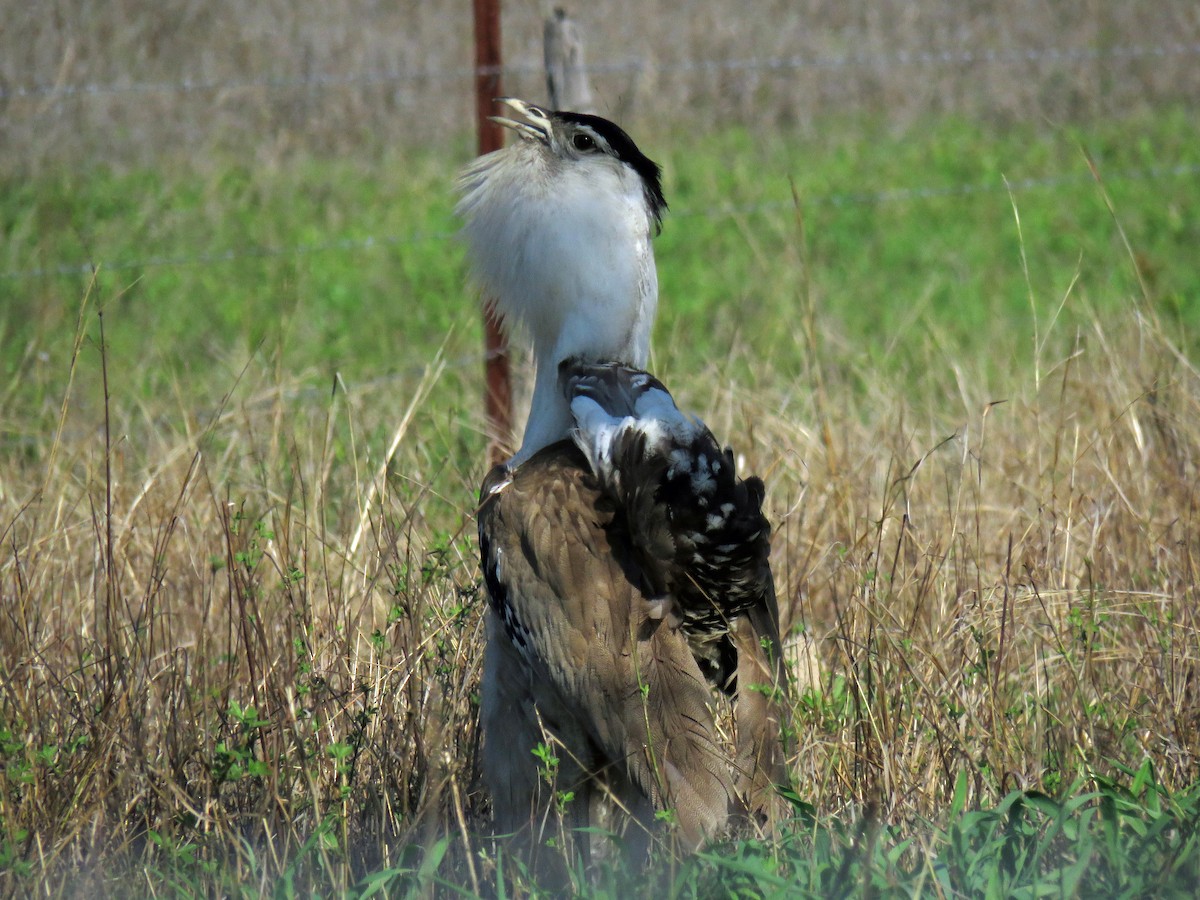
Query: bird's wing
[
  {"x": 563, "y": 580},
  {"x": 699, "y": 528},
  {"x": 701, "y": 538}
]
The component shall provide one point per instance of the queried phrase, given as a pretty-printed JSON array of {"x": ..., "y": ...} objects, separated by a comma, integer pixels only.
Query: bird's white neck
[{"x": 567, "y": 255}]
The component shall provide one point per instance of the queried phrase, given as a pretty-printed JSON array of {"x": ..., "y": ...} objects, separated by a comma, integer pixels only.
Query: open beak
[{"x": 533, "y": 124}]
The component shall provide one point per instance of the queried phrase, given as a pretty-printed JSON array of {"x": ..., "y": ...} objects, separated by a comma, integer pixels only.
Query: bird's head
[
  {"x": 558, "y": 230},
  {"x": 580, "y": 140}
]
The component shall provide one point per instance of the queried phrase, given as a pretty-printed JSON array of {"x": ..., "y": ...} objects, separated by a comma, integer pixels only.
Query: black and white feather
[
  {"x": 699, "y": 528},
  {"x": 626, "y": 562}
]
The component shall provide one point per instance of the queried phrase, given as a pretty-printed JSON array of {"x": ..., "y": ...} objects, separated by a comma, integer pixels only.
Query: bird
[{"x": 626, "y": 564}]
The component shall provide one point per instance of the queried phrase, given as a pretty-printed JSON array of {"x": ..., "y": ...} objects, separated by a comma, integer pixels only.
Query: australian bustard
[{"x": 626, "y": 563}]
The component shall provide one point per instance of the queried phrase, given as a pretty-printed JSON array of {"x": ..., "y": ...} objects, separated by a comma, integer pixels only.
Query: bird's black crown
[{"x": 627, "y": 152}]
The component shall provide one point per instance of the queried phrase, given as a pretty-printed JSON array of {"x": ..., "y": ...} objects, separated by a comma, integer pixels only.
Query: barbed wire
[
  {"x": 957, "y": 56},
  {"x": 372, "y": 242}
]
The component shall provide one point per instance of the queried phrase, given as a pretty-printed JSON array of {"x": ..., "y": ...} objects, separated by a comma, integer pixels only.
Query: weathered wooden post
[
  {"x": 566, "y": 76},
  {"x": 497, "y": 399}
]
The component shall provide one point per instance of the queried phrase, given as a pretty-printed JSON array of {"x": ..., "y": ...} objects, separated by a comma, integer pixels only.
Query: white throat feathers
[{"x": 560, "y": 243}]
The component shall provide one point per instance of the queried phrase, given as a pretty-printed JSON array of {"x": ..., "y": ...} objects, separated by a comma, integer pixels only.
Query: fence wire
[{"x": 950, "y": 57}]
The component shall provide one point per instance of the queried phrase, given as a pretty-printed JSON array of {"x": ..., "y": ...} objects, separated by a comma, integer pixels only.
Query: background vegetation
[
  {"x": 240, "y": 440},
  {"x": 127, "y": 81}
]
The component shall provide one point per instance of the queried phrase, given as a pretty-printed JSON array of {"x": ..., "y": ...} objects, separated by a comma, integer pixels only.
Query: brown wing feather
[
  {"x": 619, "y": 688},
  {"x": 702, "y": 542},
  {"x": 697, "y": 525}
]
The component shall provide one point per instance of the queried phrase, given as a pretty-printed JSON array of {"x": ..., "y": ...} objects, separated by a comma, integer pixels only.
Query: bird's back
[
  {"x": 575, "y": 657},
  {"x": 628, "y": 573},
  {"x": 697, "y": 528}
]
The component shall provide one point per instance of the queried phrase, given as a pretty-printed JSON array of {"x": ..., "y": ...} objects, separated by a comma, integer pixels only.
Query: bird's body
[
  {"x": 572, "y": 262},
  {"x": 626, "y": 563},
  {"x": 558, "y": 566}
]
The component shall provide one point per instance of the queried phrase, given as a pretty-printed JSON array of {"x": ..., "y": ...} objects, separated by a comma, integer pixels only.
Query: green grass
[
  {"x": 913, "y": 238},
  {"x": 896, "y": 254},
  {"x": 240, "y": 629},
  {"x": 240, "y": 260}
]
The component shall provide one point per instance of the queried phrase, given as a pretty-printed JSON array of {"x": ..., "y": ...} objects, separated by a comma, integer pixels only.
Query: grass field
[{"x": 240, "y": 621}]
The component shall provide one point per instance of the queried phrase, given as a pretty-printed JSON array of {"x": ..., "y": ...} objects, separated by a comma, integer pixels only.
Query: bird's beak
[{"x": 533, "y": 124}]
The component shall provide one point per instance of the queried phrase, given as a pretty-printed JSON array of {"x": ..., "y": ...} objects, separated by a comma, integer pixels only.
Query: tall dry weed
[{"x": 250, "y": 639}]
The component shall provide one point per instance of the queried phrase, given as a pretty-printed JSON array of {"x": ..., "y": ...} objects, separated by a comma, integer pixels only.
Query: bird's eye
[{"x": 583, "y": 142}]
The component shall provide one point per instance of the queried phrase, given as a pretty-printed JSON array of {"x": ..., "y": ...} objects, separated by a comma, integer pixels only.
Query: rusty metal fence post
[{"x": 498, "y": 391}]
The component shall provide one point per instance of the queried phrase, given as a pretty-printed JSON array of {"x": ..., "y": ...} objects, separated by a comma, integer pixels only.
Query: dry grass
[
  {"x": 240, "y": 635},
  {"x": 244, "y": 628},
  {"x": 1004, "y": 576},
  {"x": 243, "y": 648},
  {"x": 277, "y": 77}
]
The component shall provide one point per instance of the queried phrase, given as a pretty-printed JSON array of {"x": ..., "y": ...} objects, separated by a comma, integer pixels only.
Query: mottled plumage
[{"x": 633, "y": 632}]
